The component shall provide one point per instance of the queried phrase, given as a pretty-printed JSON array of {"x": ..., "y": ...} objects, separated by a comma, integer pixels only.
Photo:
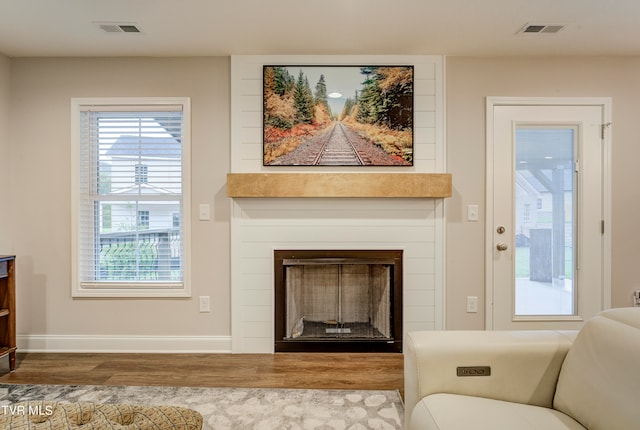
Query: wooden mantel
[{"x": 413, "y": 185}]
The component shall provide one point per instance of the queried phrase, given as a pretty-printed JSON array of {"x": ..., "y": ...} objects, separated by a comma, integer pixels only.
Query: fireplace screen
[{"x": 338, "y": 298}]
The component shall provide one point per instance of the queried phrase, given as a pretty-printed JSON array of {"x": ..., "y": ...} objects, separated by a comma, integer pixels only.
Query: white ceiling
[{"x": 222, "y": 27}]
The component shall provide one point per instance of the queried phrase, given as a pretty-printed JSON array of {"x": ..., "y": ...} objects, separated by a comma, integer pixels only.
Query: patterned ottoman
[{"x": 49, "y": 415}]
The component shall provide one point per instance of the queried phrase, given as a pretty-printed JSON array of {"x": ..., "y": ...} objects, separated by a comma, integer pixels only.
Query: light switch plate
[
  {"x": 204, "y": 212},
  {"x": 473, "y": 213}
]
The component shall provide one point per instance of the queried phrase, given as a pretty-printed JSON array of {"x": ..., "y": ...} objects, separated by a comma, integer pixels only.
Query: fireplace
[{"x": 338, "y": 300}]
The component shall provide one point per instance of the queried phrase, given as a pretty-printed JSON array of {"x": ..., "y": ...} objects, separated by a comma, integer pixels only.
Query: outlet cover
[
  {"x": 472, "y": 304},
  {"x": 205, "y": 304}
]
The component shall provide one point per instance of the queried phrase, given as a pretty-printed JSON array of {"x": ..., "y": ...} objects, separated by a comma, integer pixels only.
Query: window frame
[{"x": 130, "y": 289}]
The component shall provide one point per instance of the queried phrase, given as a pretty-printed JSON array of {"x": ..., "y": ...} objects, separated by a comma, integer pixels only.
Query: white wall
[
  {"x": 47, "y": 316},
  {"x": 259, "y": 226},
  {"x": 5, "y": 178}
]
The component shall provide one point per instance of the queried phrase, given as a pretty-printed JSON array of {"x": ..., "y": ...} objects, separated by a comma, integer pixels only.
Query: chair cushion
[
  {"x": 455, "y": 412},
  {"x": 599, "y": 380},
  {"x": 52, "y": 415}
]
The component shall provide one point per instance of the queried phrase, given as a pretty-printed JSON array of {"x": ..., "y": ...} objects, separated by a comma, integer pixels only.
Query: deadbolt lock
[{"x": 500, "y": 230}]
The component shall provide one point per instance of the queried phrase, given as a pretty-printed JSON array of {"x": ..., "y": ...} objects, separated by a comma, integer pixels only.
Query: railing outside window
[{"x": 149, "y": 255}]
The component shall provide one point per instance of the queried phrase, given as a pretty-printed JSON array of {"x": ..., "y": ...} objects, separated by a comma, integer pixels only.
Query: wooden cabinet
[{"x": 8, "y": 309}]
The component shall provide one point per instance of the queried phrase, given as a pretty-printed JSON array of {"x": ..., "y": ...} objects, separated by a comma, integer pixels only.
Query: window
[
  {"x": 106, "y": 217},
  {"x": 131, "y": 182},
  {"x": 143, "y": 220},
  {"x": 142, "y": 174}
]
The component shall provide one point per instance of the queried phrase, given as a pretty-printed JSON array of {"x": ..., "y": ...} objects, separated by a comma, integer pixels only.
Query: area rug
[{"x": 240, "y": 408}]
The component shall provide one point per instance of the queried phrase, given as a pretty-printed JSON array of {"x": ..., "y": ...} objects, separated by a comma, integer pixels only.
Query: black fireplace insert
[{"x": 338, "y": 300}]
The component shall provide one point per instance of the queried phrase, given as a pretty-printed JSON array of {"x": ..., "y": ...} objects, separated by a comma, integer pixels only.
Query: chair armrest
[{"x": 524, "y": 364}]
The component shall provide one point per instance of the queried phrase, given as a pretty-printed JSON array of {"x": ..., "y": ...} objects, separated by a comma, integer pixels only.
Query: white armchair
[{"x": 520, "y": 380}]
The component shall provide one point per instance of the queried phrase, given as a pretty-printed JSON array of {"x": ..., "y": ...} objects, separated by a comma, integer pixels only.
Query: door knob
[{"x": 502, "y": 246}]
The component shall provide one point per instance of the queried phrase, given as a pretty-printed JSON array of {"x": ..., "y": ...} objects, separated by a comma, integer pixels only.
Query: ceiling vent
[
  {"x": 112, "y": 27},
  {"x": 542, "y": 28}
]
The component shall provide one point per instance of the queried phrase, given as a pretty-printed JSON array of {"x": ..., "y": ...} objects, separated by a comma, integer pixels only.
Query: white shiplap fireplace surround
[{"x": 261, "y": 225}]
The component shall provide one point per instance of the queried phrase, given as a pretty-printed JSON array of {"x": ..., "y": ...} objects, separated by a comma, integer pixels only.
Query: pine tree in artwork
[
  {"x": 321, "y": 92},
  {"x": 303, "y": 99},
  {"x": 283, "y": 81},
  {"x": 371, "y": 100}
]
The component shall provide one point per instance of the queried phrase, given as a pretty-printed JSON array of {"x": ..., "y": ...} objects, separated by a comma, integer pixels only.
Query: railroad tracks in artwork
[{"x": 338, "y": 149}]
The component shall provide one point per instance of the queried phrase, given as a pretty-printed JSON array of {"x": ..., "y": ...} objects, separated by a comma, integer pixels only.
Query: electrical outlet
[
  {"x": 636, "y": 298},
  {"x": 205, "y": 305},
  {"x": 472, "y": 304}
]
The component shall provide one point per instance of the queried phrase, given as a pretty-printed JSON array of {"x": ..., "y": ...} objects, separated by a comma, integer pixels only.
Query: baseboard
[{"x": 127, "y": 344}]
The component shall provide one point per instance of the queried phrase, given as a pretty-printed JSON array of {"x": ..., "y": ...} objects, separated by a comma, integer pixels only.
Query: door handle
[{"x": 502, "y": 246}]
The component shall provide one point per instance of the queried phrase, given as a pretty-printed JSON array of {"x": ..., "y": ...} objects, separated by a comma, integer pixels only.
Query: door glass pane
[{"x": 545, "y": 199}]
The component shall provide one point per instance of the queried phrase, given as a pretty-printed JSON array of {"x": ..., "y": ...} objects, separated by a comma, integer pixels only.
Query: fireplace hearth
[{"x": 338, "y": 300}]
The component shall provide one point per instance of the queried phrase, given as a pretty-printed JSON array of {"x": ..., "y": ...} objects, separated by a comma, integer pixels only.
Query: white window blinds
[{"x": 130, "y": 197}]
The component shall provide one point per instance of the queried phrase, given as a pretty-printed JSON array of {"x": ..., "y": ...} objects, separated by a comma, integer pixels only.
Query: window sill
[{"x": 132, "y": 290}]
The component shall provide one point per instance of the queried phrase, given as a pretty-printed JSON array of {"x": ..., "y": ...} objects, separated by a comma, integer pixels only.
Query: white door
[{"x": 548, "y": 256}]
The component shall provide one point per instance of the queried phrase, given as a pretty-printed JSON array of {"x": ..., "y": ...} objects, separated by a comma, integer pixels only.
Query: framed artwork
[{"x": 337, "y": 115}]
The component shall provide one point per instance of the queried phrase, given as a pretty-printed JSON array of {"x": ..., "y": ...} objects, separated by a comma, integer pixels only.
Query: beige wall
[
  {"x": 41, "y": 90},
  {"x": 5, "y": 246},
  {"x": 469, "y": 81},
  {"x": 39, "y": 93}
]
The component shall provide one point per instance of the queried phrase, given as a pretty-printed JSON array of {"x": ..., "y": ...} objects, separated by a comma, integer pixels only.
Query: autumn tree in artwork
[
  {"x": 349, "y": 105},
  {"x": 382, "y": 109},
  {"x": 279, "y": 107},
  {"x": 386, "y": 97},
  {"x": 289, "y": 101},
  {"x": 396, "y": 84},
  {"x": 292, "y": 111}
]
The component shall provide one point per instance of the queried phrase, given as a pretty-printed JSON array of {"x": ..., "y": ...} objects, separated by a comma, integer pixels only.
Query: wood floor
[{"x": 366, "y": 371}]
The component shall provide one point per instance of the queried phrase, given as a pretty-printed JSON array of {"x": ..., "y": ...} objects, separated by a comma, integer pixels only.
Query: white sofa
[{"x": 542, "y": 380}]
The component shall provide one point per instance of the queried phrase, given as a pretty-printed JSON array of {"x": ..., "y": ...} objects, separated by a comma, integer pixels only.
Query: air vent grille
[
  {"x": 552, "y": 28},
  {"x": 109, "y": 27},
  {"x": 129, "y": 28},
  {"x": 542, "y": 28},
  {"x": 533, "y": 29}
]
